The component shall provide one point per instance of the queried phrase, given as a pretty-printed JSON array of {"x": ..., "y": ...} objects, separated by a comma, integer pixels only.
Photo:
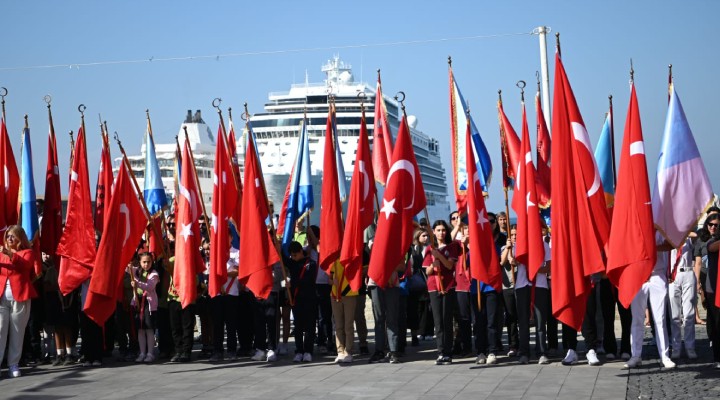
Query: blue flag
[
  {"x": 153, "y": 189},
  {"x": 300, "y": 196},
  {"x": 28, "y": 208},
  {"x": 604, "y": 158}
]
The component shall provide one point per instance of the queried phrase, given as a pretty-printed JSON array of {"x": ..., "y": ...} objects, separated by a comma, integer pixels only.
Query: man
[{"x": 682, "y": 297}]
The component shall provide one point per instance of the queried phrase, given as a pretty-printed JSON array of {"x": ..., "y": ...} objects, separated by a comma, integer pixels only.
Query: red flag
[
  {"x": 126, "y": 221},
  {"x": 511, "y": 151},
  {"x": 225, "y": 195},
  {"x": 77, "y": 244},
  {"x": 580, "y": 223},
  {"x": 104, "y": 184},
  {"x": 232, "y": 148},
  {"x": 382, "y": 138},
  {"x": 628, "y": 267},
  {"x": 530, "y": 249},
  {"x": 484, "y": 262},
  {"x": 360, "y": 210},
  {"x": 51, "y": 226},
  {"x": 403, "y": 199},
  {"x": 330, "y": 207},
  {"x": 9, "y": 181},
  {"x": 188, "y": 261},
  {"x": 257, "y": 246},
  {"x": 543, "y": 156}
]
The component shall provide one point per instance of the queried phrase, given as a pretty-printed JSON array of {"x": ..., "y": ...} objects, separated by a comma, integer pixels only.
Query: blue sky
[{"x": 598, "y": 40}]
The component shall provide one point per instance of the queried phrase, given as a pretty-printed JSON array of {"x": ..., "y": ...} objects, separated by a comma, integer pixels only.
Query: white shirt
[
  {"x": 521, "y": 280},
  {"x": 231, "y": 287}
]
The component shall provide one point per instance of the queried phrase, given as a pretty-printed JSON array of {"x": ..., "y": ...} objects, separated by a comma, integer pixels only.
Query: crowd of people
[{"x": 431, "y": 296}]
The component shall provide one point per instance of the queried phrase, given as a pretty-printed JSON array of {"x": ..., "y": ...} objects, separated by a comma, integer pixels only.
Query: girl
[
  {"x": 145, "y": 302},
  {"x": 439, "y": 265}
]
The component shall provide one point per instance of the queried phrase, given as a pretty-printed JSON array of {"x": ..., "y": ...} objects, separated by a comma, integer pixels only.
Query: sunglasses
[
  {"x": 454, "y": 218},
  {"x": 711, "y": 225}
]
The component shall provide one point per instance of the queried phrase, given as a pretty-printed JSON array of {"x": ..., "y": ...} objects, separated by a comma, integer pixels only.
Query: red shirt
[
  {"x": 18, "y": 270},
  {"x": 452, "y": 252},
  {"x": 462, "y": 271}
]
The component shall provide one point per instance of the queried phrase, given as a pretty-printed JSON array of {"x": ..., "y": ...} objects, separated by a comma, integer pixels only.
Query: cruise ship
[{"x": 277, "y": 130}]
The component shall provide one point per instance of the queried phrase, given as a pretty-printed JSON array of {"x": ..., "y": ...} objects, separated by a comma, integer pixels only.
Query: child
[
  {"x": 303, "y": 272},
  {"x": 145, "y": 302}
]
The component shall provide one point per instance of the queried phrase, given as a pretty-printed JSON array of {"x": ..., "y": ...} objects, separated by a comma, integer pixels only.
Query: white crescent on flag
[
  {"x": 581, "y": 135},
  {"x": 406, "y": 165}
]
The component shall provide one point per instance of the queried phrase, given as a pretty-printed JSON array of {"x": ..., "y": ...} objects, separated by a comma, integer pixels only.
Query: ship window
[
  {"x": 270, "y": 165},
  {"x": 284, "y": 154}
]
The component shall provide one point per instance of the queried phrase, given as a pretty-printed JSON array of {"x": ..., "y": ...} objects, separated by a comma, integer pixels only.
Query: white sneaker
[
  {"x": 592, "y": 357},
  {"x": 307, "y": 357},
  {"x": 668, "y": 363},
  {"x": 14, "y": 371},
  {"x": 298, "y": 357},
  {"x": 347, "y": 359},
  {"x": 543, "y": 360},
  {"x": 633, "y": 362},
  {"x": 491, "y": 358},
  {"x": 481, "y": 359},
  {"x": 625, "y": 356},
  {"x": 282, "y": 349},
  {"x": 571, "y": 358},
  {"x": 140, "y": 358},
  {"x": 258, "y": 356},
  {"x": 691, "y": 354},
  {"x": 676, "y": 353},
  {"x": 271, "y": 356}
]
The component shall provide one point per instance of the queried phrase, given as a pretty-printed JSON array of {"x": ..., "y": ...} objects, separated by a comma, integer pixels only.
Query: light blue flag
[
  {"x": 300, "y": 196},
  {"x": 682, "y": 187},
  {"x": 482, "y": 157},
  {"x": 342, "y": 189},
  {"x": 28, "y": 208},
  {"x": 604, "y": 158},
  {"x": 153, "y": 189}
]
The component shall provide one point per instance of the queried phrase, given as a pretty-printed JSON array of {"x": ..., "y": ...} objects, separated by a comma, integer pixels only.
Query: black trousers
[
  {"x": 442, "y": 308},
  {"x": 164, "y": 333},
  {"x": 463, "y": 315},
  {"x": 713, "y": 321},
  {"x": 324, "y": 316},
  {"x": 265, "y": 321},
  {"x": 552, "y": 324},
  {"x": 224, "y": 317},
  {"x": 305, "y": 312},
  {"x": 488, "y": 321},
  {"x": 625, "y": 323},
  {"x": 92, "y": 339},
  {"x": 182, "y": 324},
  {"x": 523, "y": 296},
  {"x": 511, "y": 318},
  {"x": 245, "y": 318},
  {"x": 608, "y": 299}
]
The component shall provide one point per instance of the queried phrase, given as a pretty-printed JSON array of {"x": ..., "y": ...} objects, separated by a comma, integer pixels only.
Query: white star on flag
[
  {"x": 185, "y": 231},
  {"x": 388, "y": 208},
  {"x": 481, "y": 218}
]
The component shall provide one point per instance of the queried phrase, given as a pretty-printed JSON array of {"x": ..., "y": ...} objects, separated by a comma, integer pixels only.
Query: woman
[
  {"x": 418, "y": 308},
  {"x": 16, "y": 266},
  {"x": 709, "y": 239},
  {"x": 463, "y": 314},
  {"x": 439, "y": 266}
]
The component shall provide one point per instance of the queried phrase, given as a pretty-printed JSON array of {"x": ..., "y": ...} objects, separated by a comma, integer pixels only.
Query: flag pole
[
  {"x": 197, "y": 181},
  {"x": 3, "y": 93},
  {"x": 503, "y": 145},
  {"x": 670, "y": 82},
  {"x": 216, "y": 103},
  {"x": 612, "y": 141},
  {"x": 290, "y": 298}
]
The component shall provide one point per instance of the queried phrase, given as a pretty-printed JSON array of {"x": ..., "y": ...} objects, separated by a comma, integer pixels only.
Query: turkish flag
[
  {"x": 330, "y": 206},
  {"x": 225, "y": 195},
  {"x": 580, "y": 224},
  {"x": 360, "y": 210},
  {"x": 188, "y": 261},
  {"x": 232, "y": 149},
  {"x": 484, "y": 262},
  {"x": 403, "y": 199},
  {"x": 104, "y": 184},
  {"x": 77, "y": 244},
  {"x": 529, "y": 249},
  {"x": 9, "y": 181},
  {"x": 543, "y": 156},
  {"x": 631, "y": 253},
  {"x": 382, "y": 138},
  {"x": 126, "y": 221},
  {"x": 511, "y": 149},
  {"x": 51, "y": 226},
  {"x": 257, "y": 250}
]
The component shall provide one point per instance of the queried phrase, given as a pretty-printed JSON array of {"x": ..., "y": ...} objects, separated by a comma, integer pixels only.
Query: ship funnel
[{"x": 188, "y": 118}]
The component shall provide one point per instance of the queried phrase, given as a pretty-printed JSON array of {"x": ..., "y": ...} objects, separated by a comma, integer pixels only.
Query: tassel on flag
[
  {"x": 628, "y": 267},
  {"x": 330, "y": 207}
]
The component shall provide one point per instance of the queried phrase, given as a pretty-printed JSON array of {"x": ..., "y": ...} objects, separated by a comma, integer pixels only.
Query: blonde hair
[{"x": 19, "y": 233}]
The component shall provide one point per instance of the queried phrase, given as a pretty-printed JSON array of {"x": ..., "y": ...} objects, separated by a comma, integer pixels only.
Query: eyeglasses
[{"x": 710, "y": 225}]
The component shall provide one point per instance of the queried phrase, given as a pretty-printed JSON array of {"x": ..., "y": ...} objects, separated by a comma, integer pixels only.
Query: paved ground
[{"x": 416, "y": 378}]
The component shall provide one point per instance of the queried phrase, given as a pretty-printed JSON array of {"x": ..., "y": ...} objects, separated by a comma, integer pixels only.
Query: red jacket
[{"x": 18, "y": 270}]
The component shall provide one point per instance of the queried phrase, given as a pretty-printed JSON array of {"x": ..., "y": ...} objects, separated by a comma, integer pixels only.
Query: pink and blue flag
[{"x": 682, "y": 187}]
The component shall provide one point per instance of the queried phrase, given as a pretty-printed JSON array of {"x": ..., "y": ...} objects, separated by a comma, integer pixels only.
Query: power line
[{"x": 257, "y": 53}]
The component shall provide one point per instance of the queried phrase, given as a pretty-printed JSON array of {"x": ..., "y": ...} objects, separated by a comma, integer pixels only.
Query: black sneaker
[
  {"x": 415, "y": 342},
  {"x": 69, "y": 360},
  {"x": 216, "y": 357},
  {"x": 59, "y": 360},
  {"x": 184, "y": 357},
  {"x": 175, "y": 358},
  {"x": 443, "y": 360},
  {"x": 394, "y": 359},
  {"x": 377, "y": 357},
  {"x": 364, "y": 350}
]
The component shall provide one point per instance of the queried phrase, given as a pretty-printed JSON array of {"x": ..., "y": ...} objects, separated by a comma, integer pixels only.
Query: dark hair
[
  {"x": 713, "y": 209},
  {"x": 447, "y": 239},
  {"x": 152, "y": 259},
  {"x": 295, "y": 247},
  {"x": 704, "y": 233},
  {"x": 316, "y": 231},
  {"x": 496, "y": 229}
]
